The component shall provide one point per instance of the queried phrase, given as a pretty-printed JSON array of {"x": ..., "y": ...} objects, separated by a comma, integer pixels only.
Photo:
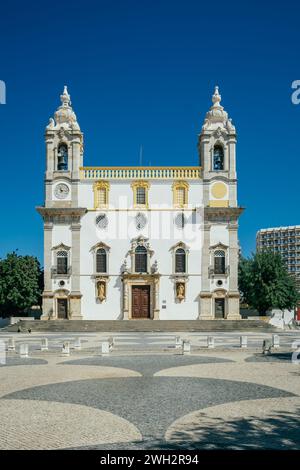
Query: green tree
[
  {"x": 264, "y": 282},
  {"x": 20, "y": 284}
]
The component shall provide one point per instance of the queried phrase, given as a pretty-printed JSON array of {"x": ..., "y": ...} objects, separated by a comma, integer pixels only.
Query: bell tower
[
  {"x": 62, "y": 215},
  {"x": 219, "y": 297},
  {"x": 217, "y": 144},
  {"x": 64, "y": 154}
]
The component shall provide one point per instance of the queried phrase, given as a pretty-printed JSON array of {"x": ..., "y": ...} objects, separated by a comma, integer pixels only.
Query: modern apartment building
[{"x": 286, "y": 241}]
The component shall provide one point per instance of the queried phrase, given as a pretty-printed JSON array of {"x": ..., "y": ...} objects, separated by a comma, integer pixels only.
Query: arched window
[
  {"x": 101, "y": 261},
  {"x": 218, "y": 163},
  {"x": 180, "y": 260},
  {"x": 219, "y": 262},
  {"x": 62, "y": 157},
  {"x": 140, "y": 259},
  {"x": 62, "y": 262}
]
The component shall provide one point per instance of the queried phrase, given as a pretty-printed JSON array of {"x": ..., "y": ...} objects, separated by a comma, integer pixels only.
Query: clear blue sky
[{"x": 142, "y": 72}]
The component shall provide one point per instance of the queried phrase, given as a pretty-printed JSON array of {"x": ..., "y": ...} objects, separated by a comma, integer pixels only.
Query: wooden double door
[
  {"x": 219, "y": 308},
  {"x": 62, "y": 309},
  {"x": 140, "y": 301}
]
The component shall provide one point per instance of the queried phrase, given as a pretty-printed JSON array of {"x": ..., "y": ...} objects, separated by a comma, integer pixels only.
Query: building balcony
[
  {"x": 213, "y": 273},
  {"x": 95, "y": 173},
  {"x": 56, "y": 272}
]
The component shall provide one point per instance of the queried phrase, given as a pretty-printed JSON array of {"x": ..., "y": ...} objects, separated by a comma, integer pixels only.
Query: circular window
[
  {"x": 102, "y": 221},
  {"x": 220, "y": 283},
  {"x": 140, "y": 221},
  {"x": 61, "y": 283},
  {"x": 180, "y": 220}
]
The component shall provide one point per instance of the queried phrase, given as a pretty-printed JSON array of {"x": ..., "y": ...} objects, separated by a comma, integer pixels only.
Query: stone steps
[{"x": 141, "y": 325}]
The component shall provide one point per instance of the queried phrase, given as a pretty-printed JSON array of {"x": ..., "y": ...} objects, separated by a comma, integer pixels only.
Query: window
[
  {"x": 180, "y": 193},
  {"x": 102, "y": 199},
  {"x": 140, "y": 259},
  {"x": 180, "y": 260},
  {"x": 62, "y": 157},
  {"x": 219, "y": 262},
  {"x": 140, "y": 193},
  {"x": 101, "y": 265},
  {"x": 140, "y": 196},
  {"x": 62, "y": 262},
  {"x": 180, "y": 196},
  {"x": 140, "y": 221},
  {"x": 101, "y": 189},
  {"x": 218, "y": 161},
  {"x": 102, "y": 221}
]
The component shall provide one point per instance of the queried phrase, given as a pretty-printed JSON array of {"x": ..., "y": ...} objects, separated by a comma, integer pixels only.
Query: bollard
[
  {"x": 77, "y": 344},
  {"x": 66, "y": 348},
  {"x": 275, "y": 341},
  {"x": 111, "y": 342},
  {"x": 178, "y": 342},
  {"x": 186, "y": 347},
  {"x": 267, "y": 346},
  {"x": 243, "y": 341},
  {"x": 105, "y": 347},
  {"x": 11, "y": 344},
  {"x": 210, "y": 342},
  {"x": 44, "y": 344},
  {"x": 23, "y": 350}
]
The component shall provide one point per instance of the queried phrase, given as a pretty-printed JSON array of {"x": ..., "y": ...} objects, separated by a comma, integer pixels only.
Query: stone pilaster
[
  {"x": 206, "y": 307},
  {"x": 205, "y": 295},
  {"x": 75, "y": 295},
  {"x": 48, "y": 308},
  {"x": 125, "y": 299},
  {"x": 156, "y": 299},
  {"x": 233, "y": 292}
]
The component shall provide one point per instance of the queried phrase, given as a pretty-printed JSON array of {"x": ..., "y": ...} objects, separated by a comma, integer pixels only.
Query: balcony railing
[
  {"x": 55, "y": 273},
  {"x": 95, "y": 173},
  {"x": 212, "y": 272}
]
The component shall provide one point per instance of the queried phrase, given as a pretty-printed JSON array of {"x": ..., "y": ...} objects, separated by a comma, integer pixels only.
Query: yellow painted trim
[
  {"x": 219, "y": 203},
  {"x": 175, "y": 186},
  {"x": 140, "y": 184},
  {"x": 159, "y": 173},
  {"x": 219, "y": 190},
  {"x": 140, "y": 168},
  {"x": 101, "y": 185}
]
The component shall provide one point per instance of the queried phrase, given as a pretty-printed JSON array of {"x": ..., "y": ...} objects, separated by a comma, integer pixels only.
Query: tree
[
  {"x": 20, "y": 284},
  {"x": 264, "y": 282}
]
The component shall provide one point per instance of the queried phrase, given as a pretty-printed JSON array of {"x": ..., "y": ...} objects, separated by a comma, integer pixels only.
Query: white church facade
[{"x": 140, "y": 242}]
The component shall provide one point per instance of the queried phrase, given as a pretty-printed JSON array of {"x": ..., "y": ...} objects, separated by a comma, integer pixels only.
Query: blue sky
[{"x": 142, "y": 72}]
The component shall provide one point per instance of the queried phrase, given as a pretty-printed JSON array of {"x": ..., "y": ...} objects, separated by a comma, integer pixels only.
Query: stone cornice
[
  {"x": 223, "y": 214},
  {"x": 61, "y": 211}
]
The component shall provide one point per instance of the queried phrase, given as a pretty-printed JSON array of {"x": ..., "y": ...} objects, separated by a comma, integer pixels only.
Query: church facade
[{"x": 140, "y": 242}]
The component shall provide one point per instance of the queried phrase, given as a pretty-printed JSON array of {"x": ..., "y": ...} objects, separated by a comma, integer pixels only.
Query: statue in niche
[
  {"x": 101, "y": 294},
  {"x": 180, "y": 291}
]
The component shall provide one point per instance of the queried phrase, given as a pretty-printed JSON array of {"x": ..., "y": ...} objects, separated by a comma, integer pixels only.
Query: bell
[{"x": 62, "y": 161}]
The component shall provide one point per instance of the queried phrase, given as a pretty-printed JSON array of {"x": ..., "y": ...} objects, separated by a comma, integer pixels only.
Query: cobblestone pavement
[{"x": 145, "y": 395}]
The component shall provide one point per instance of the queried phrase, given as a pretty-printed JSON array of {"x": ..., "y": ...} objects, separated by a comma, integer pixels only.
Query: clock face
[{"x": 61, "y": 191}]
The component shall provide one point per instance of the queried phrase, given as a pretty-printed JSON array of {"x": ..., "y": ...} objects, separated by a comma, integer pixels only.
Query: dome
[
  {"x": 64, "y": 116},
  {"x": 217, "y": 116}
]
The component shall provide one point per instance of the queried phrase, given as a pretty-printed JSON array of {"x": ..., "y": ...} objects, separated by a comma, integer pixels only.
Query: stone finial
[
  {"x": 216, "y": 97},
  {"x": 65, "y": 98}
]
